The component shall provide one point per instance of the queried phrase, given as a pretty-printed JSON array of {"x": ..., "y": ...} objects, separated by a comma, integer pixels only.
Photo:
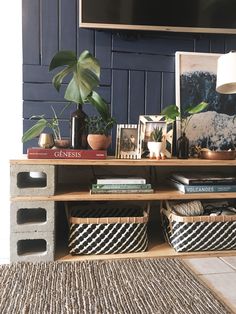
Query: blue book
[{"x": 211, "y": 188}]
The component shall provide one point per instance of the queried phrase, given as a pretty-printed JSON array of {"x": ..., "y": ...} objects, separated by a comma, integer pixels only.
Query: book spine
[
  {"x": 109, "y": 191},
  {"x": 209, "y": 188},
  {"x": 213, "y": 182},
  {"x": 121, "y": 186},
  {"x": 121, "y": 181},
  {"x": 65, "y": 154}
]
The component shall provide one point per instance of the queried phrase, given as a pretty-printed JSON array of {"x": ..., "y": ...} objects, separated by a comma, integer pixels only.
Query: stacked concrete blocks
[{"x": 32, "y": 222}]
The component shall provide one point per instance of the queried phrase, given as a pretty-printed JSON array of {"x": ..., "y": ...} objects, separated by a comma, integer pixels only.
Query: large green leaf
[
  {"x": 58, "y": 78},
  {"x": 171, "y": 112},
  {"x": 100, "y": 104},
  {"x": 198, "y": 108},
  {"x": 86, "y": 74},
  {"x": 63, "y": 57},
  {"x": 35, "y": 130}
]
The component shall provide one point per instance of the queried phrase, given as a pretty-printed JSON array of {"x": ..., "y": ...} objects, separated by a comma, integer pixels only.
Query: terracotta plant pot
[
  {"x": 62, "y": 143},
  {"x": 99, "y": 141}
]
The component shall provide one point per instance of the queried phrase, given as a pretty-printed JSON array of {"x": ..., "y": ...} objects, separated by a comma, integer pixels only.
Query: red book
[{"x": 64, "y": 153}]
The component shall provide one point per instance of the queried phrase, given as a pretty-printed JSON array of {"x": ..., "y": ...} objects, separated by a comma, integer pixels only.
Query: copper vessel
[
  {"x": 46, "y": 140},
  {"x": 217, "y": 155}
]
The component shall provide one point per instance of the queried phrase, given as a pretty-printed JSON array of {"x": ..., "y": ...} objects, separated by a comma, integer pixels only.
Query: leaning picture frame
[
  {"x": 214, "y": 128},
  {"x": 127, "y": 141},
  {"x": 146, "y": 124}
]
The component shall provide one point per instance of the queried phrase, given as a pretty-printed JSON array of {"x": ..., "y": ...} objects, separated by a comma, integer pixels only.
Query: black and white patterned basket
[
  {"x": 107, "y": 229},
  {"x": 198, "y": 233}
]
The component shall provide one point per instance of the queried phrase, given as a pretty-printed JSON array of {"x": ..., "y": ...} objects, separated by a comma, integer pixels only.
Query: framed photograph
[
  {"x": 127, "y": 141},
  {"x": 146, "y": 126},
  {"x": 215, "y": 128}
]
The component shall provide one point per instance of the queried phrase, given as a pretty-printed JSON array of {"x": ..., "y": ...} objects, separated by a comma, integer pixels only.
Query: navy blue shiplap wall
[{"x": 138, "y": 69}]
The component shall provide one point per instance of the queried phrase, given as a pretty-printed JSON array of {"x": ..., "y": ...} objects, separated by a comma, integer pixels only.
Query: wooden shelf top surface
[
  {"x": 111, "y": 161},
  {"x": 163, "y": 193}
]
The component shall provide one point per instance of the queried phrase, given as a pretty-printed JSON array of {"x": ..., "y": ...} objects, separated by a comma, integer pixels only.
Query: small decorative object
[
  {"x": 78, "y": 129},
  {"x": 46, "y": 140},
  {"x": 183, "y": 147},
  {"x": 99, "y": 129},
  {"x": 127, "y": 141},
  {"x": 217, "y": 155},
  {"x": 85, "y": 78},
  {"x": 63, "y": 143},
  {"x": 155, "y": 143},
  {"x": 146, "y": 126}
]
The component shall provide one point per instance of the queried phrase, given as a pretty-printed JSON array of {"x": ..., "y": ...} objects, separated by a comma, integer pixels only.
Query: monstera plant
[{"x": 85, "y": 72}]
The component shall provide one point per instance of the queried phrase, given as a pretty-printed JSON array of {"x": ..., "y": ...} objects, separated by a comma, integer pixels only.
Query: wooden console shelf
[{"x": 70, "y": 187}]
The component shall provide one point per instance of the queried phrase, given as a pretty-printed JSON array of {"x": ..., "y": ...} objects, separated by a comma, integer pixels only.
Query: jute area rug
[{"x": 158, "y": 286}]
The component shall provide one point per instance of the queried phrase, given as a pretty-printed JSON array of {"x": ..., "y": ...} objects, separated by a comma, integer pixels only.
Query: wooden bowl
[{"x": 217, "y": 155}]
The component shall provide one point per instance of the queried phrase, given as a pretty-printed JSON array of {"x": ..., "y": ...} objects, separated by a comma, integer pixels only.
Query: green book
[
  {"x": 211, "y": 188},
  {"x": 122, "y": 186},
  {"x": 120, "y": 191}
]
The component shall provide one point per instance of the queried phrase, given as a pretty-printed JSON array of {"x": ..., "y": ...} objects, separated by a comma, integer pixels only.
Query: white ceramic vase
[{"x": 155, "y": 149}]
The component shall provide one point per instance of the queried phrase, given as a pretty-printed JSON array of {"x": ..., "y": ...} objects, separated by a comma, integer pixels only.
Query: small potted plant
[
  {"x": 155, "y": 142},
  {"x": 99, "y": 131},
  {"x": 171, "y": 112},
  {"x": 42, "y": 123}
]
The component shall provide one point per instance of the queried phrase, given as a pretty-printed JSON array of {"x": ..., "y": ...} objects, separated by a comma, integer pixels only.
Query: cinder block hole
[
  {"x": 31, "y": 246},
  {"x": 31, "y": 179},
  {"x": 31, "y": 215}
]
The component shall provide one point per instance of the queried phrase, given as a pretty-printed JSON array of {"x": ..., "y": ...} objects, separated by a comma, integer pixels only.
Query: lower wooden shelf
[{"x": 155, "y": 250}]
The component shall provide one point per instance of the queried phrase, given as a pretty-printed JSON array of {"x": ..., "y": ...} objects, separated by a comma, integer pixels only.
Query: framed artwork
[
  {"x": 146, "y": 126},
  {"x": 214, "y": 128},
  {"x": 127, "y": 141}
]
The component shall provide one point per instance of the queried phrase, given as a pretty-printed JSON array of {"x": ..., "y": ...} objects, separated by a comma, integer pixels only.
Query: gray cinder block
[
  {"x": 32, "y": 216},
  {"x": 23, "y": 184},
  {"x": 32, "y": 247}
]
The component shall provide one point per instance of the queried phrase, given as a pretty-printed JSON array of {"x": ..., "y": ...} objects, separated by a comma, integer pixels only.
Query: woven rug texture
[{"x": 158, "y": 286}]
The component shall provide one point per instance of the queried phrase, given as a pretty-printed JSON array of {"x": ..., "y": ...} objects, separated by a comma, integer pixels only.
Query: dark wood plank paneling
[
  {"x": 168, "y": 90},
  {"x": 202, "y": 44},
  {"x": 143, "y": 62},
  {"x": 152, "y": 44},
  {"x": 50, "y": 30},
  {"x": 230, "y": 43},
  {"x": 85, "y": 40},
  {"x": 120, "y": 95},
  {"x": 40, "y": 74},
  {"x": 153, "y": 93},
  {"x": 31, "y": 32},
  {"x": 103, "y": 48},
  {"x": 44, "y": 92},
  {"x": 67, "y": 26},
  {"x": 136, "y": 95},
  {"x": 217, "y": 44},
  {"x": 31, "y": 108}
]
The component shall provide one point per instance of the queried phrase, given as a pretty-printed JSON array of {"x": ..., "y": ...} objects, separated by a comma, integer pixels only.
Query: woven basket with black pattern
[
  {"x": 107, "y": 229},
  {"x": 198, "y": 233}
]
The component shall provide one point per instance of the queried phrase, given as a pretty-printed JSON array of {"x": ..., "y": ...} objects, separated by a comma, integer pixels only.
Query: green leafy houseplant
[
  {"x": 43, "y": 123},
  {"x": 157, "y": 134},
  {"x": 85, "y": 77},
  {"x": 96, "y": 125},
  {"x": 171, "y": 112}
]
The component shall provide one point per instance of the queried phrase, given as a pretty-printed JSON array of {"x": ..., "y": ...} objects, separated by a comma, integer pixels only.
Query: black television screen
[{"x": 208, "y": 16}]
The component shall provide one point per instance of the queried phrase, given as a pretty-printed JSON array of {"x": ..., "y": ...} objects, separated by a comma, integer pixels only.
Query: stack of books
[
  {"x": 121, "y": 185},
  {"x": 203, "y": 182}
]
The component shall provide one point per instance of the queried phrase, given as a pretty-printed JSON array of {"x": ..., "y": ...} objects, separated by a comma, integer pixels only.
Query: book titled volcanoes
[
  {"x": 58, "y": 153},
  {"x": 206, "y": 182}
]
